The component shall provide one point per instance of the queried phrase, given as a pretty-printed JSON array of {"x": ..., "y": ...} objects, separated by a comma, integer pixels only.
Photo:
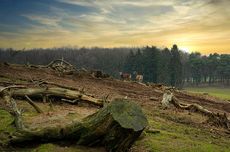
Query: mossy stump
[{"x": 116, "y": 127}]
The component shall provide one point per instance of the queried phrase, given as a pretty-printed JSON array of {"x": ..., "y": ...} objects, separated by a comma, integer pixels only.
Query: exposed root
[{"x": 216, "y": 119}]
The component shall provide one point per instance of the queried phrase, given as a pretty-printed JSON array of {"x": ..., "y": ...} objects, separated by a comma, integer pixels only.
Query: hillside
[{"x": 169, "y": 129}]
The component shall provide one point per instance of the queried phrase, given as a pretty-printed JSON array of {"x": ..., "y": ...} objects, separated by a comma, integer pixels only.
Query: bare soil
[{"x": 62, "y": 113}]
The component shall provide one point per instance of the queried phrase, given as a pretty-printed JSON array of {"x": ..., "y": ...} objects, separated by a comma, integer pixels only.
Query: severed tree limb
[
  {"x": 219, "y": 120},
  {"x": 58, "y": 92},
  {"x": 10, "y": 102},
  {"x": 7, "y": 96},
  {"x": 37, "y": 82},
  {"x": 18, "y": 115},
  {"x": 167, "y": 98},
  {"x": 59, "y": 65},
  {"x": 50, "y": 64},
  {"x": 194, "y": 107},
  {"x": 21, "y": 91},
  {"x": 9, "y": 87},
  {"x": 70, "y": 101},
  {"x": 33, "y": 104},
  {"x": 59, "y": 85},
  {"x": 14, "y": 110}
]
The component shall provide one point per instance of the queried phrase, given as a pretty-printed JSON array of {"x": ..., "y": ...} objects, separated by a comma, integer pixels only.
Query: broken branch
[{"x": 33, "y": 104}]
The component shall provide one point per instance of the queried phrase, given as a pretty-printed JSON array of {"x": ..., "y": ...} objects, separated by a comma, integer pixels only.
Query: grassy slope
[
  {"x": 180, "y": 136},
  {"x": 177, "y": 133},
  {"x": 223, "y": 93},
  {"x": 5, "y": 125}
]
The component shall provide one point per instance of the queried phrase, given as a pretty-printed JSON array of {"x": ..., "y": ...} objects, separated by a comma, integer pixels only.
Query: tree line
[
  {"x": 176, "y": 68},
  {"x": 167, "y": 66}
]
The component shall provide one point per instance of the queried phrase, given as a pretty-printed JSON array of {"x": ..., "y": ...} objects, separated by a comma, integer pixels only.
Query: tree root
[{"x": 216, "y": 119}]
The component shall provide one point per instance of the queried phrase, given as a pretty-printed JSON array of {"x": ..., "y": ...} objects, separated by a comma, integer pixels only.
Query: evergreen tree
[
  {"x": 150, "y": 56},
  {"x": 164, "y": 67},
  {"x": 176, "y": 67}
]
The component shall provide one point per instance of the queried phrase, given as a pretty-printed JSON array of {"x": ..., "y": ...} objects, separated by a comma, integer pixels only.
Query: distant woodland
[{"x": 167, "y": 66}]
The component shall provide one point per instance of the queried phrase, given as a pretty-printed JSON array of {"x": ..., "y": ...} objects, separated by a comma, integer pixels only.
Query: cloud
[
  {"x": 45, "y": 20},
  {"x": 125, "y": 22},
  {"x": 88, "y": 3}
]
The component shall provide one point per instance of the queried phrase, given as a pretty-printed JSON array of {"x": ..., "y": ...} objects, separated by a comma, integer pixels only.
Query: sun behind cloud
[{"x": 193, "y": 25}]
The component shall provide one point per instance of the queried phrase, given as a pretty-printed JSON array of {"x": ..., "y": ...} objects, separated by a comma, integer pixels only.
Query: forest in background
[{"x": 167, "y": 66}]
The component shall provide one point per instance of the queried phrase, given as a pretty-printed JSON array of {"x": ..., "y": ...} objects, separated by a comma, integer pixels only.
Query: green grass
[
  {"x": 5, "y": 120},
  {"x": 49, "y": 147},
  {"x": 222, "y": 93},
  {"x": 181, "y": 138},
  {"x": 6, "y": 127},
  {"x": 174, "y": 135},
  {"x": 177, "y": 136}
]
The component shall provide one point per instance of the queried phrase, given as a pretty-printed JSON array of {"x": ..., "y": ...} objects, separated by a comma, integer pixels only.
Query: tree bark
[
  {"x": 55, "y": 91},
  {"x": 33, "y": 104},
  {"x": 116, "y": 126},
  {"x": 216, "y": 119}
]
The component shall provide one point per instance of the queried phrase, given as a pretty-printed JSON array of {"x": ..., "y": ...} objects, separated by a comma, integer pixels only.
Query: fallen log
[
  {"x": 116, "y": 127},
  {"x": 55, "y": 91},
  {"x": 59, "y": 65},
  {"x": 216, "y": 119}
]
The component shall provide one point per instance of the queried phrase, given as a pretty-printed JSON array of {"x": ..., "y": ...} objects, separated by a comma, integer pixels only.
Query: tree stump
[{"x": 116, "y": 127}]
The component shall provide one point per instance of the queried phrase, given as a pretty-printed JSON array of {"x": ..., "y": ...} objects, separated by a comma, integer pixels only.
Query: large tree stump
[{"x": 116, "y": 126}]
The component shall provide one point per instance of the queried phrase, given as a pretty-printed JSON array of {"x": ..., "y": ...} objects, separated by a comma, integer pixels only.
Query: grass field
[{"x": 223, "y": 93}]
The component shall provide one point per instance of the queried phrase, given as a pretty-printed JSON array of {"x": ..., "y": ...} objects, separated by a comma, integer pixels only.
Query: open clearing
[
  {"x": 177, "y": 130},
  {"x": 220, "y": 92}
]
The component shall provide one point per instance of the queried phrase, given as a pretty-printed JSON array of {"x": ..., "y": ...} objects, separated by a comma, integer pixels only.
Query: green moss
[
  {"x": 45, "y": 148},
  {"x": 6, "y": 121},
  {"x": 56, "y": 148},
  {"x": 128, "y": 114},
  {"x": 6, "y": 127}
]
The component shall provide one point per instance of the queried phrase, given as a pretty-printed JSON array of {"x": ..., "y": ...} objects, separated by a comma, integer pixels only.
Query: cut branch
[{"x": 33, "y": 104}]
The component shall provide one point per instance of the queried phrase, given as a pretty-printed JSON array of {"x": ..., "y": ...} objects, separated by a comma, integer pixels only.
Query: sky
[{"x": 194, "y": 25}]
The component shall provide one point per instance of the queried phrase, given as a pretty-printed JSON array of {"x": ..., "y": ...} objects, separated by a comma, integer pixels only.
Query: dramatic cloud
[{"x": 195, "y": 25}]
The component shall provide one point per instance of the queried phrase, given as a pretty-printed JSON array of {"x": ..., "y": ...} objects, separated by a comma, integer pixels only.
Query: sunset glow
[{"x": 194, "y": 25}]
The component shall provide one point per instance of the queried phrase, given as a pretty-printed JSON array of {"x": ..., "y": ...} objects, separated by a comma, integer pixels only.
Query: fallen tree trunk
[
  {"x": 55, "y": 91},
  {"x": 59, "y": 65},
  {"x": 216, "y": 119},
  {"x": 116, "y": 126}
]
